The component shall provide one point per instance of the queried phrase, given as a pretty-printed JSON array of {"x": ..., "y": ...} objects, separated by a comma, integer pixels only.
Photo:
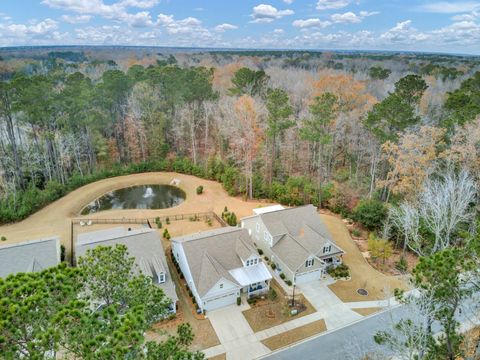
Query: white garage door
[
  {"x": 221, "y": 301},
  {"x": 308, "y": 276}
]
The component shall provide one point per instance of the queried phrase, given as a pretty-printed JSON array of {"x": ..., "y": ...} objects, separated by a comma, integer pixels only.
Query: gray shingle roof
[
  {"x": 142, "y": 244},
  {"x": 29, "y": 256},
  {"x": 211, "y": 254},
  {"x": 298, "y": 233}
]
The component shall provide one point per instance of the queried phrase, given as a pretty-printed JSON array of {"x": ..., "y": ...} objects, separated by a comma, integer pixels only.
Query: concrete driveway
[
  {"x": 336, "y": 313},
  {"x": 235, "y": 334}
]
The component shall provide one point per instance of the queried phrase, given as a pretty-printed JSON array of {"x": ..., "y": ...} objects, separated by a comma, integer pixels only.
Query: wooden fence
[{"x": 174, "y": 217}]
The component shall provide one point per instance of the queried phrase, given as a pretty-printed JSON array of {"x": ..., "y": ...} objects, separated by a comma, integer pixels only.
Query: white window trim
[
  {"x": 327, "y": 249},
  {"x": 161, "y": 278},
  {"x": 257, "y": 226},
  {"x": 221, "y": 286},
  {"x": 309, "y": 263}
]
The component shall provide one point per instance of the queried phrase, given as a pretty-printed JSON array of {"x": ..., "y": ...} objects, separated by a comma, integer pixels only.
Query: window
[
  {"x": 161, "y": 278},
  {"x": 248, "y": 263},
  {"x": 221, "y": 286},
  {"x": 255, "y": 262},
  {"x": 265, "y": 235},
  {"x": 309, "y": 263},
  {"x": 258, "y": 227},
  {"x": 327, "y": 249}
]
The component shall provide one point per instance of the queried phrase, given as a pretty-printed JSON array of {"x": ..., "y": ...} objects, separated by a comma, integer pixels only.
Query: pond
[{"x": 138, "y": 197}]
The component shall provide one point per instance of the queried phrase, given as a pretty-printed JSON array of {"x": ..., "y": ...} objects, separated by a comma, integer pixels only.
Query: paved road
[
  {"x": 346, "y": 343},
  {"x": 356, "y": 340}
]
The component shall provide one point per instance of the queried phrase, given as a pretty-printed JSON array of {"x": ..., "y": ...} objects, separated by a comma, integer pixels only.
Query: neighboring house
[
  {"x": 220, "y": 265},
  {"x": 142, "y": 244},
  {"x": 295, "y": 239},
  {"x": 29, "y": 256}
]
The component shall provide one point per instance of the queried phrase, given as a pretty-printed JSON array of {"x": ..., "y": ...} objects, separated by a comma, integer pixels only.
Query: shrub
[
  {"x": 260, "y": 251},
  {"x": 158, "y": 222},
  {"x": 288, "y": 282},
  {"x": 402, "y": 264},
  {"x": 209, "y": 221},
  {"x": 273, "y": 265},
  {"x": 356, "y": 232},
  {"x": 266, "y": 258},
  {"x": 167, "y": 220},
  {"x": 370, "y": 213},
  {"x": 166, "y": 234},
  {"x": 272, "y": 294},
  {"x": 3, "y": 238},
  {"x": 379, "y": 248},
  {"x": 341, "y": 271},
  {"x": 282, "y": 276},
  {"x": 239, "y": 301},
  {"x": 199, "y": 190}
]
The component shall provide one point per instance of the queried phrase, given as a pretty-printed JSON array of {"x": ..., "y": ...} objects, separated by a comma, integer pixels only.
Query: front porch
[{"x": 256, "y": 289}]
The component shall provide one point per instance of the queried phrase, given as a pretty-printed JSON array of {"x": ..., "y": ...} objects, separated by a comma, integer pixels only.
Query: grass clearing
[
  {"x": 363, "y": 275},
  {"x": 292, "y": 336}
]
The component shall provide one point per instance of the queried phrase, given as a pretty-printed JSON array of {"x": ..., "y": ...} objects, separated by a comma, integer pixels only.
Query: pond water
[{"x": 138, "y": 197}]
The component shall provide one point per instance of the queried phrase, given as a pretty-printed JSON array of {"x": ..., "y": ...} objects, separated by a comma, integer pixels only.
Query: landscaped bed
[
  {"x": 205, "y": 335},
  {"x": 267, "y": 313},
  {"x": 294, "y": 335}
]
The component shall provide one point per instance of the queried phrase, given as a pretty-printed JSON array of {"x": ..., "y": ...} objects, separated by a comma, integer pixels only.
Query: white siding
[{"x": 182, "y": 261}]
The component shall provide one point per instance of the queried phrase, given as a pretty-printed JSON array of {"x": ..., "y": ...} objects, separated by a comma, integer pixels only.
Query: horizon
[{"x": 439, "y": 27}]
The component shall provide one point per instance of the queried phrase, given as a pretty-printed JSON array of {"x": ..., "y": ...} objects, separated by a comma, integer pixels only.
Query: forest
[
  {"x": 298, "y": 128},
  {"x": 332, "y": 129},
  {"x": 388, "y": 140}
]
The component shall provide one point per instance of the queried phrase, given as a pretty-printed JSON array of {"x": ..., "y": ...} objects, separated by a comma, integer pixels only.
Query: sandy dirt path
[{"x": 55, "y": 219}]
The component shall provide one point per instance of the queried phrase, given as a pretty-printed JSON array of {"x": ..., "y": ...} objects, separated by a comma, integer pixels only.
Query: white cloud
[
  {"x": 76, "y": 19},
  {"x": 288, "y": 1},
  {"x": 466, "y": 17},
  {"x": 331, "y": 4},
  {"x": 464, "y": 33},
  {"x": 189, "y": 25},
  {"x": 116, "y": 11},
  {"x": 264, "y": 13},
  {"x": 279, "y": 31},
  {"x": 350, "y": 17},
  {"x": 311, "y": 23},
  {"x": 224, "y": 27},
  {"x": 450, "y": 7},
  {"x": 403, "y": 32},
  {"x": 142, "y": 4},
  {"x": 38, "y": 32}
]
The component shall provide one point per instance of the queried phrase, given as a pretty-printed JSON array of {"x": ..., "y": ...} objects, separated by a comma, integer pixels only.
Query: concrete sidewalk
[{"x": 330, "y": 307}]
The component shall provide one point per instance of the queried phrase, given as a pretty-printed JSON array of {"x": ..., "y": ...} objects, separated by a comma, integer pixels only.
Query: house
[
  {"x": 143, "y": 244},
  {"x": 296, "y": 240},
  {"x": 220, "y": 265},
  {"x": 29, "y": 256}
]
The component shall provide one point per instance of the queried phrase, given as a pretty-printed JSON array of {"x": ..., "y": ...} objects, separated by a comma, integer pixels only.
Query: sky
[{"x": 451, "y": 26}]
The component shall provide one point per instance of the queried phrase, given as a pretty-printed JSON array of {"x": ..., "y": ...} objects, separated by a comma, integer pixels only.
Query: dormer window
[
  {"x": 161, "y": 278},
  {"x": 221, "y": 286},
  {"x": 309, "y": 263},
  {"x": 251, "y": 262},
  {"x": 327, "y": 249}
]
